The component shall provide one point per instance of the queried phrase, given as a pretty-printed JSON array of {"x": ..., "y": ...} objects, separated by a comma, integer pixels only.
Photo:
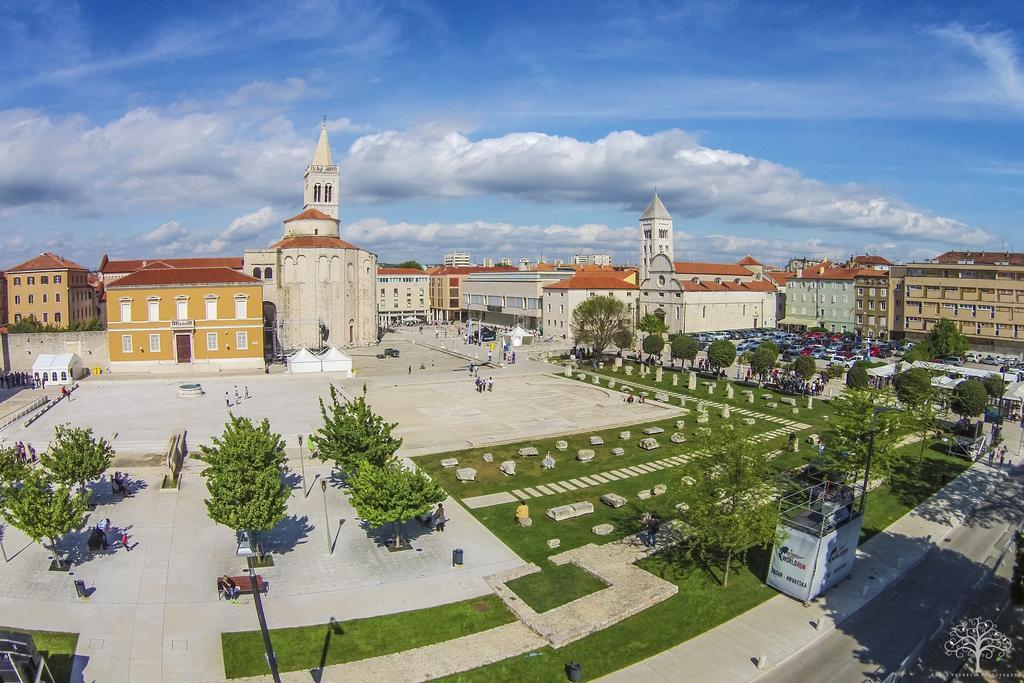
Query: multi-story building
[
  {"x": 561, "y": 298},
  {"x": 505, "y": 261},
  {"x": 871, "y": 307},
  {"x": 3, "y": 299},
  {"x": 173, "y": 319},
  {"x": 982, "y": 292},
  {"x": 822, "y": 296},
  {"x": 870, "y": 261},
  {"x": 591, "y": 259},
  {"x": 697, "y": 297},
  {"x": 52, "y": 290},
  {"x": 488, "y": 262},
  {"x": 112, "y": 270},
  {"x": 403, "y": 296},
  {"x": 457, "y": 258},
  {"x": 508, "y": 298},
  {"x": 446, "y": 289}
]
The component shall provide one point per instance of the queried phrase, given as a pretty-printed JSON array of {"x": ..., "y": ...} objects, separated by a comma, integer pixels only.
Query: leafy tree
[
  {"x": 75, "y": 456},
  {"x": 43, "y": 510},
  {"x": 600, "y": 321},
  {"x": 849, "y": 436},
  {"x": 652, "y": 324},
  {"x": 244, "y": 476},
  {"x": 731, "y": 489},
  {"x": 410, "y": 264},
  {"x": 805, "y": 367},
  {"x": 769, "y": 346},
  {"x": 969, "y": 398},
  {"x": 623, "y": 338},
  {"x": 995, "y": 386},
  {"x": 653, "y": 344},
  {"x": 857, "y": 377},
  {"x": 352, "y": 434},
  {"x": 946, "y": 340},
  {"x": 721, "y": 354},
  {"x": 921, "y": 351},
  {"x": 392, "y": 494},
  {"x": 685, "y": 347},
  {"x": 762, "y": 360},
  {"x": 913, "y": 387}
]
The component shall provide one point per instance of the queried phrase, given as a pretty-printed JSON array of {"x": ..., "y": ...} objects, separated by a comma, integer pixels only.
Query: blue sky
[{"x": 514, "y": 129}]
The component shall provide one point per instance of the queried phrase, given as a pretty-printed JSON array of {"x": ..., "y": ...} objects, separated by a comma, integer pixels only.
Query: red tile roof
[
  {"x": 778, "y": 276},
  {"x": 160, "y": 277},
  {"x": 401, "y": 271},
  {"x": 871, "y": 260},
  {"x": 1014, "y": 258},
  {"x": 313, "y": 242},
  {"x": 698, "y": 268},
  {"x": 131, "y": 265},
  {"x": 467, "y": 270},
  {"x": 748, "y": 260},
  {"x": 311, "y": 214},
  {"x": 46, "y": 261},
  {"x": 592, "y": 281},
  {"x": 749, "y": 286}
]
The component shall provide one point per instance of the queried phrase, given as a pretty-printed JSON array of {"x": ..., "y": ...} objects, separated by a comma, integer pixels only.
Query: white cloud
[
  {"x": 263, "y": 92},
  {"x": 167, "y": 233},
  {"x": 998, "y": 53},
  {"x": 250, "y": 225},
  {"x": 347, "y": 125}
]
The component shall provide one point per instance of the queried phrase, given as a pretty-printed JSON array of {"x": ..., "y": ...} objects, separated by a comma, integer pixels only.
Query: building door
[{"x": 183, "y": 348}]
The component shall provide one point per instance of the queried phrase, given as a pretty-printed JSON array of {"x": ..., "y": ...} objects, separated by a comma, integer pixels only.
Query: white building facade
[
  {"x": 509, "y": 298},
  {"x": 403, "y": 296},
  {"x": 561, "y": 298},
  {"x": 318, "y": 289}
]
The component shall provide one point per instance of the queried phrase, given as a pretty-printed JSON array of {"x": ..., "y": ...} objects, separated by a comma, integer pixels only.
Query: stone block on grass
[
  {"x": 613, "y": 500},
  {"x": 508, "y": 467},
  {"x": 603, "y": 529},
  {"x": 596, "y": 441},
  {"x": 617, "y": 451},
  {"x": 488, "y": 457},
  {"x": 465, "y": 474},
  {"x": 554, "y": 543},
  {"x": 528, "y": 451},
  {"x": 702, "y": 419},
  {"x": 659, "y": 489},
  {"x": 585, "y": 454},
  {"x": 623, "y": 435},
  {"x": 561, "y": 445},
  {"x": 771, "y": 404},
  {"x": 450, "y": 462},
  {"x": 650, "y": 431},
  {"x": 749, "y": 421},
  {"x": 788, "y": 400},
  {"x": 661, "y": 396},
  {"x": 678, "y": 437},
  {"x": 649, "y": 444},
  {"x": 680, "y": 424}
]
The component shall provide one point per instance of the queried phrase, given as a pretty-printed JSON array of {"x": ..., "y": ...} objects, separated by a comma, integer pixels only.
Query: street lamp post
[
  {"x": 302, "y": 465},
  {"x": 871, "y": 453},
  {"x": 327, "y": 520},
  {"x": 258, "y": 602}
]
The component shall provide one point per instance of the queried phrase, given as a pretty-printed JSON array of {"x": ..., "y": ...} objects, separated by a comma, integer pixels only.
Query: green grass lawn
[
  {"x": 555, "y": 586},
  {"x": 311, "y": 647},
  {"x": 700, "y": 604},
  {"x": 57, "y": 647}
]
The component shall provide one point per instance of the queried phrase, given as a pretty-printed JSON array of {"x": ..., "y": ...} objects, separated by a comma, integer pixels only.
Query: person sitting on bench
[{"x": 228, "y": 588}]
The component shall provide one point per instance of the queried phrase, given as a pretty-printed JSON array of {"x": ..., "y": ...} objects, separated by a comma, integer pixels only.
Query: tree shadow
[
  {"x": 289, "y": 533},
  {"x": 384, "y": 536}
]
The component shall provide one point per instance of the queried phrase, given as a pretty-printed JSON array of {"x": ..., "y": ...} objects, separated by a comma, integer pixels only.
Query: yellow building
[
  {"x": 50, "y": 289},
  {"x": 185, "y": 319}
]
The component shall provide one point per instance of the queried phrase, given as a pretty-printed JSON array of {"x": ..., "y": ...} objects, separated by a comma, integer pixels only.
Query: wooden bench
[{"x": 244, "y": 584}]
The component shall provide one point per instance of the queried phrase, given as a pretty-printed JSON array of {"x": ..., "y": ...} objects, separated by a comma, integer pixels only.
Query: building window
[
  {"x": 44, "y": 280},
  {"x": 57, "y": 279},
  {"x": 240, "y": 308},
  {"x": 126, "y": 311},
  {"x": 126, "y": 343},
  {"x": 56, "y": 317},
  {"x": 316, "y": 193},
  {"x": 46, "y": 317},
  {"x": 17, "y": 317},
  {"x": 17, "y": 299},
  {"x": 181, "y": 309},
  {"x": 153, "y": 308},
  {"x": 17, "y": 281},
  {"x": 327, "y": 193},
  {"x": 57, "y": 297},
  {"x": 44, "y": 298},
  {"x": 211, "y": 341},
  {"x": 268, "y": 273},
  {"x": 31, "y": 280},
  {"x": 211, "y": 308},
  {"x": 31, "y": 298},
  {"x": 154, "y": 343},
  {"x": 242, "y": 340},
  {"x": 257, "y": 273}
]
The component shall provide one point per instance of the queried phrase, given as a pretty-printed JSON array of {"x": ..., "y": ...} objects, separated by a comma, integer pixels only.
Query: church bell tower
[
  {"x": 321, "y": 179},
  {"x": 655, "y": 235}
]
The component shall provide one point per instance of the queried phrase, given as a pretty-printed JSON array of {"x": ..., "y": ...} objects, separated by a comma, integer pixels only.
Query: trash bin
[
  {"x": 574, "y": 670},
  {"x": 80, "y": 588},
  {"x": 457, "y": 557}
]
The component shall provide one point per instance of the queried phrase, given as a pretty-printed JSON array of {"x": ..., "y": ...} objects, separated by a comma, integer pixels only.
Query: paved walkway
[{"x": 782, "y": 626}]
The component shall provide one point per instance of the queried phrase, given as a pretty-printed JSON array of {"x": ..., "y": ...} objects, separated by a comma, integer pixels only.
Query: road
[{"x": 883, "y": 632}]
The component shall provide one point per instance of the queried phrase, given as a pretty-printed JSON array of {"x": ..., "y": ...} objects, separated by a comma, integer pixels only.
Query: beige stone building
[
  {"x": 982, "y": 292},
  {"x": 51, "y": 289},
  {"x": 317, "y": 288},
  {"x": 403, "y": 296},
  {"x": 871, "y": 303},
  {"x": 694, "y": 296},
  {"x": 510, "y": 298},
  {"x": 561, "y": 298}
]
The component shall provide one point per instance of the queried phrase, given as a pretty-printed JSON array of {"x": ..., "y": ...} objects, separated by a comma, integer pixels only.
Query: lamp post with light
[
  {"x": 871, "y": 452},
  {"x": 302, "y": 465},
  {"x": 327, "y": 520}
]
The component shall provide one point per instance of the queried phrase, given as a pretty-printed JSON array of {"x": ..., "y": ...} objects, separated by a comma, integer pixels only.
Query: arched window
[
  {"x": 327, "y": 193},
  {"x": 695, "y": 280},
  {"x": 268, "y": 273},
  {"x": 316, "y": 192},
  {"x": 256, "y": 272},
  {"x": 63, "y": 376}
]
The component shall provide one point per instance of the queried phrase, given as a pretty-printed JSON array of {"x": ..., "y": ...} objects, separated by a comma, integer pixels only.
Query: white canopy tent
[
  {"x": 336, "y": 360},
  {"x": 1014, "y": 393},
  {"x": 304, "y": 360},
  {"x": 944, "y": 382},
  {"x": 57, "y": 368},
  {"x": 518, "y": 336},
  {"x": 882, "y": 371}
]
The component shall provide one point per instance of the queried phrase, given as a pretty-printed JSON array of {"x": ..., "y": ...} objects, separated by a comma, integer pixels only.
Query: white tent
[
  {"x": 518, "y": 336},
  {"x": 882, "y": 371},
  {"x": 944, "y": 382},
  {"x": 57, "y": 368},
  {"x": 336, "y": 360},
  {"x": 1014, "y": 392},
  {"x": 304, "y": 360}
]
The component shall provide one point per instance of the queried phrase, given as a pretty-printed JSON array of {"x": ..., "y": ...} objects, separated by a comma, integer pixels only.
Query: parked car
[
  {"x": 990, "y": 360},
  {"x": 953, "y": 360}
]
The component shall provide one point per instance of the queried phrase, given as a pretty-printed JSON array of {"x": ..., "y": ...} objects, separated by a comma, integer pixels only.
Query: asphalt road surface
[{"x": 903, "y": 616}]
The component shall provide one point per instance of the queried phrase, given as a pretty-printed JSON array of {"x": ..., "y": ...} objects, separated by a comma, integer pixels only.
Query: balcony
[{"x": 183, "y": 325}]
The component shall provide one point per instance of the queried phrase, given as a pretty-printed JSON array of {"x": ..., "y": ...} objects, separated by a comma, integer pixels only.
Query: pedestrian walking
[
  {"x": 227, "y": 399},
  {"x": 439, "y": 519},
  {"x": 247, "y": 391},
  {"x": 124, "y": 541},
  {"x": 410, "y": 369},
  {"x": 490, "y": 385}
]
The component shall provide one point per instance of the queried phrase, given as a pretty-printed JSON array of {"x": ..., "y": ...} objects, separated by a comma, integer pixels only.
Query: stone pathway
[{"x": 630, "y": 591}]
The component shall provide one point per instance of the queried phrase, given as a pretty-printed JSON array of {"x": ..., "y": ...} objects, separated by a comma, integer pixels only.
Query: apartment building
[
  {"x": 50, "y": 289},
  {"x": 457, "y": 258},
  {"x": 446, "y": 289},
  {"x": 982, "y": 292},
  {"x": 871, "y": 308},
  {"x": 823, "y": 296},
  {"x": 403, "y": 296},
  {"x": 508, "y": 298},
  {"x": 164, "y": 319}
]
